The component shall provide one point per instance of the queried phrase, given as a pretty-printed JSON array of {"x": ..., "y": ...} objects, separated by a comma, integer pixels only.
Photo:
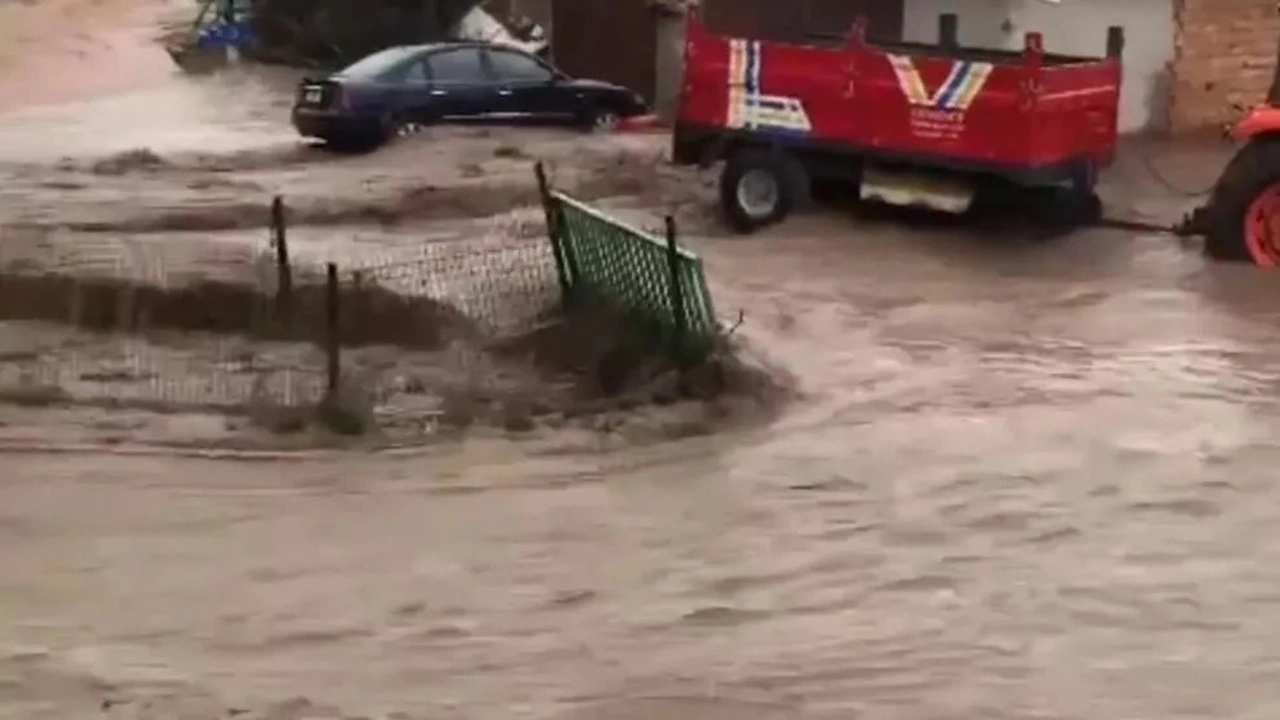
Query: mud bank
[
  {"x": 466, "y": 339},
  {"x": 413, "y": 367},
  {"x": 616, "y": 363},
  {"x": 367, "y": 314},
  {"x": 59, "y": 385}
]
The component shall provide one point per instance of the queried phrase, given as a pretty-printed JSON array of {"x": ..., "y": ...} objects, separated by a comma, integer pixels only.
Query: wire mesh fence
[
  {"x": 647, "y": 276},
  {"x": 117, "y": 323},
  {"x": 255, "y": 325},
  {"x": 601, "y": 259},
  {"x": 44, "y": 363},
  {"x": 495, "y": 285}
]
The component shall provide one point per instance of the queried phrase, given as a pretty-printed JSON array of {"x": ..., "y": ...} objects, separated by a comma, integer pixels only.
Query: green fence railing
[{"x": 650, "y": 278}]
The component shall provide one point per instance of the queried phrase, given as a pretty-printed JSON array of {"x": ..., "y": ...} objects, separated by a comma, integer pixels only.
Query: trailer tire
[
  {"x": 760, "y": 187},
  {"x": 1062, "y": 209},
  {"x": 1234, "y": 224},
  {"x": 1084, "y": 197}
]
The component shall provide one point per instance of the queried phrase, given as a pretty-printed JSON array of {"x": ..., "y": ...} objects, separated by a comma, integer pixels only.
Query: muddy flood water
[{"x": 1026, "y": 478}]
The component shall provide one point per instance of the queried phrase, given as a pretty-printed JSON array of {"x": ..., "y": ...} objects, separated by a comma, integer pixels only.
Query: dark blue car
[{"x": 370, "y": 101}]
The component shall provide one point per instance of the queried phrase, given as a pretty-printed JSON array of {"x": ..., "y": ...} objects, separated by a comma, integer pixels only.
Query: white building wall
[
  {"x": 1080, "y": 27},
  {"x": 669, "y": 72},
  {"x": 1073, "y": 27}
]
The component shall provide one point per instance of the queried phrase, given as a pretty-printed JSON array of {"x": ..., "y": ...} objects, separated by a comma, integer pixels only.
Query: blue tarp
[{"x": 236, "y": 34}]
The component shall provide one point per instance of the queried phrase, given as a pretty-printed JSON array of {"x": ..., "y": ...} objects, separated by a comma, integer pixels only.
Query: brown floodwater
[
  {"x": 1027, "y": 478},
  {"x": 57, "y": 51}
]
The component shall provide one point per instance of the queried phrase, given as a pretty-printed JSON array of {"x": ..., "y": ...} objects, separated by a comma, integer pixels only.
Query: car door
[
  {"x": 414, "y": 100},
  {"x": 526, "y": 87},
  {"x": 459, "y": 84}
]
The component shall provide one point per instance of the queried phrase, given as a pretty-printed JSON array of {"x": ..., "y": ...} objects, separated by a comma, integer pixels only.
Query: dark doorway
[
  {"x": 615, "y": 41},
  {"x": 884, "y": 17},
  {"x": 776, "y": 20}
]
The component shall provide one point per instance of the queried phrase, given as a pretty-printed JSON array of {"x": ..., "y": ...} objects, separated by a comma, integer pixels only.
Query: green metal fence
[{"x": 651, "y": 278}]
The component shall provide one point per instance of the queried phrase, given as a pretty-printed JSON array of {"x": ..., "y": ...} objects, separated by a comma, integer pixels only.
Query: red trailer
[{"x": 905, "y": 123}]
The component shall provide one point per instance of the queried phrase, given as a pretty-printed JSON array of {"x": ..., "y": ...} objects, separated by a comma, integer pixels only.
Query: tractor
[{"x": 1241, "y": 220}]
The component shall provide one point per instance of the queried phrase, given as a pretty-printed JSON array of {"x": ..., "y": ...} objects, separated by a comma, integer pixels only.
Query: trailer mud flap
[{"x": 907, "y": 189}]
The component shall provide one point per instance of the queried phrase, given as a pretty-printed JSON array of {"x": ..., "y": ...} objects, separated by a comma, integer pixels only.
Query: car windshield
[{"x": 376, "y": 64}]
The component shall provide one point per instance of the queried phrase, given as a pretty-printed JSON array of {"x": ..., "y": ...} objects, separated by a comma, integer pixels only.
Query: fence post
[
  {"x": 332, "y": 341},
  {"x": 949, "y": 31},
  {"x": 680, "y": 329},
  {"x": 554, "y": 232},
  {"x": 284, "y": 273},
  {"x": 1115, "y": 43}
]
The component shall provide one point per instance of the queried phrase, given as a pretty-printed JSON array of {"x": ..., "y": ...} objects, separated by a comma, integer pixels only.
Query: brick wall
[{"x": 1224, "y": 54}]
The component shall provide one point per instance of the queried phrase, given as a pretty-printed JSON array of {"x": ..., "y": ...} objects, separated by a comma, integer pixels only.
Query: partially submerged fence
[
  {"x": 287, "y": 332},
  {"x": 602, "y": 259}
]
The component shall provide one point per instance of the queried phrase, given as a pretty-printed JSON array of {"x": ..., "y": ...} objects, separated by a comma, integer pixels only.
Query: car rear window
[{"x": 376, "y": 65}]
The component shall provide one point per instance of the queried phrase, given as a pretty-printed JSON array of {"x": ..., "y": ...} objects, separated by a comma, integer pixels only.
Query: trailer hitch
[{"x": 1192, "y": 224}]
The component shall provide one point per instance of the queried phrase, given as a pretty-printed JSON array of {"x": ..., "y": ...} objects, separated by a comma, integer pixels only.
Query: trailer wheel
[
  {"x": 1071, "y": 206},
  {"x": 761, "y": 187},
  {"x": 1243, "y": 222},
  {"x": 1086, "y": 203},
  {"x": 1065, "y": 209}
]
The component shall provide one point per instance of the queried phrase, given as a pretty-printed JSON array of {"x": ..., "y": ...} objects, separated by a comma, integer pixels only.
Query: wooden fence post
[
  {"x": 681, "y": 326},
  {"x": 332, "y": 341},
  {"x": 284, "y": 272}
]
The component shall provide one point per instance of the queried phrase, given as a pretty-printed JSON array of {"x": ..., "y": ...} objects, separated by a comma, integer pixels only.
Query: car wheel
[
  {"x": 600, "y": 120},
  {"x": 391, "y": 127},
  {"x": 410, "y": 128}
]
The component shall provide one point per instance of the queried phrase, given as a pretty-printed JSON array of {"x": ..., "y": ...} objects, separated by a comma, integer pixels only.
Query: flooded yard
[{"x": 1025, "y": 478}]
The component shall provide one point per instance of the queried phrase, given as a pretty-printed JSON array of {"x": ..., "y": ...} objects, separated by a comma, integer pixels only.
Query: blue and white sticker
[{"x": 751, "y": 109}]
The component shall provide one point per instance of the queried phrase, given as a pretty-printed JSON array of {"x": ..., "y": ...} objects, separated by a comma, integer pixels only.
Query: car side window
[
  {"x": 515, "y": 67},
  {"x": 415, "y": 73},
  {"x": 457, "y": 67}
]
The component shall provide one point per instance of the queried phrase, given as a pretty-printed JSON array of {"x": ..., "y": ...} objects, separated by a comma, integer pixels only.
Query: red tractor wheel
[
  {"x": 1262, "y": 227},
  {"x": 1244, "y": 215}
]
